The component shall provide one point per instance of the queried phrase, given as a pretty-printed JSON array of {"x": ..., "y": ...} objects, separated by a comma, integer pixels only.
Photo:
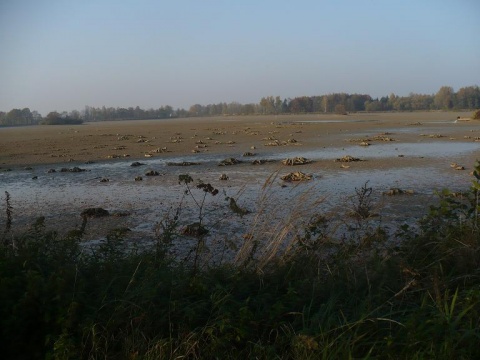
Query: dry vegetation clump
[
  {"x": 348, "y": 158},
  {"x": 383, "y": 138},
  {"x": 296, "y": 161},
  {"x": 397, "y": 191},
  {"x": 476, "y": 115},
  {"x": 296, "y": 176},
  {"x": 182, "y": 163},
  {"x": 229, "y": 161},
  {"x": 248, "y": 153}
]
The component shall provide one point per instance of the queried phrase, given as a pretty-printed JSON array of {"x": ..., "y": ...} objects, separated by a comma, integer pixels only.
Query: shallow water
[
  {"x": 391, "y": 149},
  {"x": 327, "y": 121},
  {"x": 61, "y": 196},
  {"x": 84, "y": 184}
]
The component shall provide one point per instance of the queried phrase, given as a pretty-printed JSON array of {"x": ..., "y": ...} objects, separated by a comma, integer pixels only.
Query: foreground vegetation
[{"x": 410, "y": 295}]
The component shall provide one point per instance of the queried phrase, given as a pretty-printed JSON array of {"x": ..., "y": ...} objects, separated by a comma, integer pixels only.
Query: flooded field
[{"x": 414, "y": 161}]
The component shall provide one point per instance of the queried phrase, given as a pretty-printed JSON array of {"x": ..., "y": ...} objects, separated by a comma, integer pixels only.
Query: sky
[{"x": 61, "y": 55}]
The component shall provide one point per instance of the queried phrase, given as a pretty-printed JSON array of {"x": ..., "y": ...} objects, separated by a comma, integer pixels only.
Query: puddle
[
  {"x": 430, "y": 127},
  {"x": 393, "y": 149},
  {"x": 441, "y": 122},
  {"x": 328, "y": 121}
]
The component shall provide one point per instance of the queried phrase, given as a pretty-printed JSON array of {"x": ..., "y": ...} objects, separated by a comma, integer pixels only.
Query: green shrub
[{"x": 418, "y": 298}]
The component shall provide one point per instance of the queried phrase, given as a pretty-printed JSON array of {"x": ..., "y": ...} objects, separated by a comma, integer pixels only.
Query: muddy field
[
  {"x": 418, "y": 152},
  {"x": 109, "y": 141}
]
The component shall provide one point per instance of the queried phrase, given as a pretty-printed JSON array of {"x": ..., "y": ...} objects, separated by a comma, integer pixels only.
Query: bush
[{"x": 476, "y": 115}]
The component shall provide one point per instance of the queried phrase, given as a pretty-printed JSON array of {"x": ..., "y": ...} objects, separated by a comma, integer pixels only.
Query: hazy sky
[{"x": 62, "y": 55}]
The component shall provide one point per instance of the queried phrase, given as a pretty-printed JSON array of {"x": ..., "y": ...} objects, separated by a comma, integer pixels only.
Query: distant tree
[
  {"x": 249, "y": 109},
  {"x": 27, "y": 117},
  {"x": 267, "y": 104},
  {"x": 325, "y": 103},
  {"x": 167, "y": 110},
  {"x": 373, "y": 105},
  {"x": 36, "y": 117},
  {"x": 317, "y": 104},
  {"x": 122, "y": 113},
  {"x": 420, "y": 101},
  {"x": 340, "y": 109},
  {"x": 18, "y": 117},
  {"x": 15, "y": 117},
  {"x": 278, "y": 105},
  {"x": 181, "y": 113},
  {"x": 467, "y": 98},
  {"x": 444, "y": 98},
  {"x": 357, "y": 102},
  {"x": 303, "y": 104},
  {"x": 86, "y": 114},
  {"x": 55, "y": 118},
  {"x": 53, "y": 115},
  {"x": 74, "y": 114},
  {"x": 234, "y": 108},
  {"x": 224, "y": 109},
  {"x": 212, "y": 109},
  {"x": 164, "y": 112},
  {"x": 105, "y": 114},
  {"x": 196, "y": 110}
]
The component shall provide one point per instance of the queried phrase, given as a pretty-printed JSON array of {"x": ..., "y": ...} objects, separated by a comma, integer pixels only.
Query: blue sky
[{"x": 62, "y": 55}]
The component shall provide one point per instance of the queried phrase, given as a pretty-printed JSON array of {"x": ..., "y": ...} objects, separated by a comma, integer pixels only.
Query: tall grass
[{"x": 295, "y": 290}]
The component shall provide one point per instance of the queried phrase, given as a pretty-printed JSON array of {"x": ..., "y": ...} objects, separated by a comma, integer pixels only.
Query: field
[
  {"x": 409, "y": 151},
  {"x": 98, "y": 141},
  {"x": 211, "y": 256},
  {"x": 419, "y": 158}
]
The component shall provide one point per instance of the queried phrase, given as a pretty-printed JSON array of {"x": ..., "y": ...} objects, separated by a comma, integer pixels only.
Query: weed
[
  {"x": 362, "y": 202},
  {"x": 8, "y": 211},
  {"x": 235, "y": 208}
]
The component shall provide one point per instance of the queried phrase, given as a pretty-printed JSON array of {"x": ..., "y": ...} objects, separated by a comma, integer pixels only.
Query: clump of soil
[
  {"x": 229, "y": 161},
  {"x": 95, "y": 212},
  {"x": 397, "y": 191},
  {"x": 196, "y": 229},
  {"x": 347, "y": 158},
  {"x": 136, "y": 163},
  {"x": 74, "y": 170},
  {"x": 152, "y": 173},
  {"x": 296, "y": 161},
  {"x": 183, "y": 163}
]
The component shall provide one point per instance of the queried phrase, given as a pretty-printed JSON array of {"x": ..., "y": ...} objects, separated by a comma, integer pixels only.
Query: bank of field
[
  {"x": 113, "y": 140},
  {"x": 373, "y": 294},
  {"x": 301, "y": 281}
]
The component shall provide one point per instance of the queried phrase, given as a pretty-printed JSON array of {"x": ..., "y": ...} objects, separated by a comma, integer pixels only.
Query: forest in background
[{"x": 466, "y": 98}]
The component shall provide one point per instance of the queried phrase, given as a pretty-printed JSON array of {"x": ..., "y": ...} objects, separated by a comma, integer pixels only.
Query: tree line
[{"x": 340, "y": 103}]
